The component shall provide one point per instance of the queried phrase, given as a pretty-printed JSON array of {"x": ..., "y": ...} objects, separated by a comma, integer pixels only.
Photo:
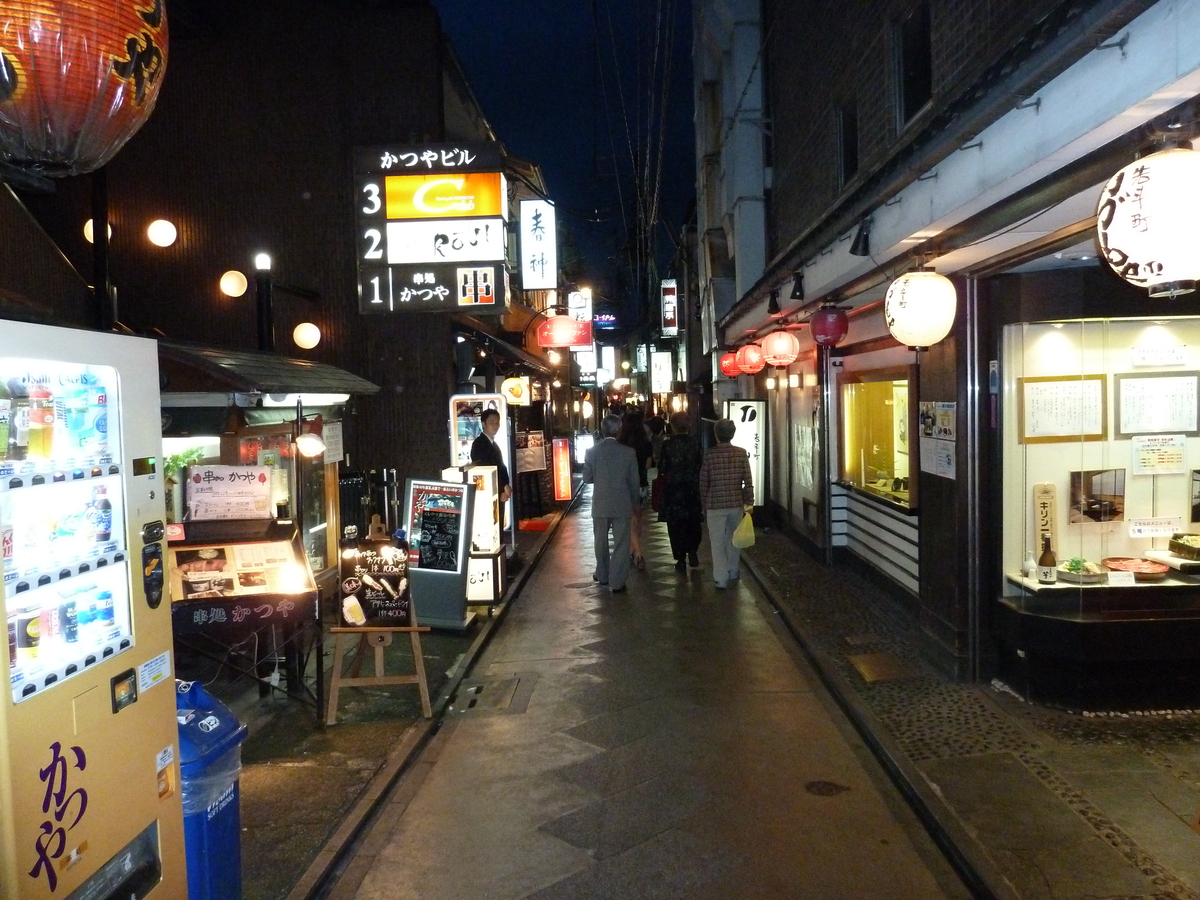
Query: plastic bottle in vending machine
[
  {"x": 5, "y": 411},
  {"x": 71, "y": 419},
  {"x": 97, "y": 419},
  {"x": 18, "y": 420},
  {"x": 41, "y": 421},
  {"x": 106, "y": 613},
  {"x": 102, "y": 513}
]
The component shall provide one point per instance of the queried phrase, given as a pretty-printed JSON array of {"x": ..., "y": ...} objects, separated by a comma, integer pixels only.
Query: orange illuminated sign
[
  {"x": 446, "y": 195},
  {"x": 561, "y": 462}
]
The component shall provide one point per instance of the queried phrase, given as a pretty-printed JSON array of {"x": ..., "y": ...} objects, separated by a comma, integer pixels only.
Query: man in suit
[
  {"x": 485, "y": 452},
  {"x": 612, "y": 470}
]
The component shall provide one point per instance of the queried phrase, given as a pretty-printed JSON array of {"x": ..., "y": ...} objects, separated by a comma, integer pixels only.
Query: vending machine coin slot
[{"x": 153, "y": 531}]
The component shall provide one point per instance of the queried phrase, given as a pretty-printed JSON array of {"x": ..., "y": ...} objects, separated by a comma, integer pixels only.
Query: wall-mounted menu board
[
  {"x": 1158, "y": 403},
  {"x": 438, "y": 525},
  {"x": 1060, "y": 408}
]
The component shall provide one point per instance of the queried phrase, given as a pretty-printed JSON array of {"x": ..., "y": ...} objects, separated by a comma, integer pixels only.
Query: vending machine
[{"x": 89, "y": 778}]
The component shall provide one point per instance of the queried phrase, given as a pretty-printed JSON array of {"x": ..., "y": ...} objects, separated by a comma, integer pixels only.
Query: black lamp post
[{"x": 264, "y": 291}]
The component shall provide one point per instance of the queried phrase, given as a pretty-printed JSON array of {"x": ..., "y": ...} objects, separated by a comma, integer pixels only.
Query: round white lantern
[
  {"x": 1146, "y": 221},
  {"x": 306, "y": 335},
  {"x": 919, "y": 308}
]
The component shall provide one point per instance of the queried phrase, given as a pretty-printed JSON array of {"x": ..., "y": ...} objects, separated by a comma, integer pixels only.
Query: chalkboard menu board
[
  {"x": 436, "y": 526},
  {"x": 374, "y": 582}
]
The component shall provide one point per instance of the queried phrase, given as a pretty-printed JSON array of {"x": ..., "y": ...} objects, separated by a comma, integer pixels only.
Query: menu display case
[{"x": 878, "y": 419}]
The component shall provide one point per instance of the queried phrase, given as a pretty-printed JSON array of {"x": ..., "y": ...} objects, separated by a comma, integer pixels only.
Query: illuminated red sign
[
  {"x": 564, "y": 331},
  {"x": 561, "y": 461}
]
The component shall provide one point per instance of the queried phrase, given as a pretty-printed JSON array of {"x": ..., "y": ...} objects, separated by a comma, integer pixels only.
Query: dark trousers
[{"x": 685, "y": 536}]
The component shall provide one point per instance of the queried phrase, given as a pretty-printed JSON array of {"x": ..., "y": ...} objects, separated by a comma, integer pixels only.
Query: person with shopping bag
[{"x": 726, "y": 494}]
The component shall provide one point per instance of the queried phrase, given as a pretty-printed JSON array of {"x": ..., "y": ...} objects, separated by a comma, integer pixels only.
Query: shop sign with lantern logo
[{"x": 77, "y": 79}]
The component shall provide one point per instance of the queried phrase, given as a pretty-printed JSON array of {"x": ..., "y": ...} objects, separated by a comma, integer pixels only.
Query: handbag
[
  {"x": 743, "y": 535},
  {"x": 656, "y": 493}
]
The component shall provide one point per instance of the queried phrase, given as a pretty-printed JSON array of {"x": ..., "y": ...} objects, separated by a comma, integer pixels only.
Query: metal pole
[{"x": 264, "y": 297}]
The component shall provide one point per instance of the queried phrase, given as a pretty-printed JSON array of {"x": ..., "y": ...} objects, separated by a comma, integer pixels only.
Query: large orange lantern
[
  {"x": 780, "y": 349},
  {"x": 77, "y": 79},
  {"x": 750, "y": 359},
  {"x": 728, "y": 365}
]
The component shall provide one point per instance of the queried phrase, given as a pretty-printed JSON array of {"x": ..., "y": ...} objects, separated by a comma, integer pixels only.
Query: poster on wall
[
  {"x": 750, "y": 423},
  {"x": 1159, "y": 454},
  {"x": 1097, "y": 496},
  {"x": 1054, "y": 409},
  {"x": 228, "y": 492},
  {"x": 1157, "y": 403}
]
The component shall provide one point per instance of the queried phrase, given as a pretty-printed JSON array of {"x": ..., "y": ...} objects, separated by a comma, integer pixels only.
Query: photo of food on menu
[{"x": 230, "y": 571}]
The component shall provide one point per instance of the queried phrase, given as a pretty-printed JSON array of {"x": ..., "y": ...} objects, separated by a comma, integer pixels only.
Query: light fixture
[
  {"x": 1145, "y": 219},
  {"x": 161, "y": 233},
  {"x": 728, "y": 365},
  {"x": 233, "y": 283},
  {"x": 556, "y": 383},
  {"x": 919, "y": 308},
  {"x": 750, "y": 359},
  {"x": 798, "y": 286},
  {"x": 262, "y": 262},
  {"x": 861, "y": 245},
  {"x": 625, "y": 365},
  {"x": 770, "y": 382},
  {"x": 553, "y": 357},
  {"x": 780, "y": 349},
  {"x": 794, "y": 380},
  {"x": 306, "y": 335},
  {"x": 773, "y": 304},
  {"x": 829, "y": 325},
  {"x": 586, "y": 409},
  {"x": 89, "y": 235},
  {"x": 309, "y": 441}
]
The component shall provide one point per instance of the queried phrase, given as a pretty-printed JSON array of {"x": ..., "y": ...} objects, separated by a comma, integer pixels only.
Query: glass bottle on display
[{"x": 1047, "y": 564}]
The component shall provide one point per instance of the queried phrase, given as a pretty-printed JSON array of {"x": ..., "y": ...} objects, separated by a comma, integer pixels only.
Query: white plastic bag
[{"x": 743, "y": 535}]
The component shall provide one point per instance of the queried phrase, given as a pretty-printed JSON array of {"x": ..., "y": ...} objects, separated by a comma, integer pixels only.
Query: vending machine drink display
[{"x": 89, "y": 780}]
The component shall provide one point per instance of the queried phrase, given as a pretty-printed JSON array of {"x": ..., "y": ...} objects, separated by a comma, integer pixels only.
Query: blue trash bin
[{"x": 210, "y": 763}]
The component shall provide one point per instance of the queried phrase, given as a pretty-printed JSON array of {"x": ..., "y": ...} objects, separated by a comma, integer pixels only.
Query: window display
[
  {"x": 878, "y": 415},
  {"x": 1100, "y": 430}
]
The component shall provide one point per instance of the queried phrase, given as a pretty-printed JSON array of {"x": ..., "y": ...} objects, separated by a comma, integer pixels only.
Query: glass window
[
  {"x": 877, "y": 427},
  {"x": 915, "y": 51}
]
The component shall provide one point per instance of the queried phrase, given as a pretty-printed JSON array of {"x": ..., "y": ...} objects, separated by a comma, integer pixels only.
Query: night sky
[{"x": 565, "y": 84}]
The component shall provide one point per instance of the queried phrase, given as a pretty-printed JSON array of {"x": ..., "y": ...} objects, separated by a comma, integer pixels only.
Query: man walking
[
  {"x": 612, "y": 470},
  {"x": 726, "y": 493}
]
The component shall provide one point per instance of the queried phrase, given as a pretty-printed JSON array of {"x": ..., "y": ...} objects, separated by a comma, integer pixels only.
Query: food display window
[
  {"x": 1101, "y": 470},
  {"x": 878, "y": 414}
]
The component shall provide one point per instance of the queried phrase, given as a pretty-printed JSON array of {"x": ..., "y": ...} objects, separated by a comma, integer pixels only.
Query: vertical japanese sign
[
  {"x": 539, "y": 246},
  {"x": 750, "y": 422},
  {"x": 670, "y": 309},
  {"x": 561, "y": 462}
]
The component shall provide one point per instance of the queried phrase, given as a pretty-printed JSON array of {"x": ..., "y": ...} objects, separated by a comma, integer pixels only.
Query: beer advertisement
[{"x": 374, "y": 581}]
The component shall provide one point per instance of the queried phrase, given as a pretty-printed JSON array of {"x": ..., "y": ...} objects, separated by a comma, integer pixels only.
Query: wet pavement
[{"x": 1025, "y": 801}]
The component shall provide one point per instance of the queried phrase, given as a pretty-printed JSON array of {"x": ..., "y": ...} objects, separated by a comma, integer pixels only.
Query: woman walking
[
  {"x": 633, "y": 434},
  {"x": 679, "y": 467},
  {"x": 727, "y": 493}
]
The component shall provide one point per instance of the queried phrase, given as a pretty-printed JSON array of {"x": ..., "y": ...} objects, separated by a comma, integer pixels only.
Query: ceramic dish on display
[
  {"x": 1142, "y": 569},
  {"x": 1081, "y": 577}
]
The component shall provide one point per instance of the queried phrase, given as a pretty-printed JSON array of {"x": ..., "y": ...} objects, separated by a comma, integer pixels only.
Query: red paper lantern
[
  {"x": 780, "y": 348},
  {"x": 829, "y": 325},
  {"x": 77, "y": 79},
  {"x": 728, "y": 365},
  {"x": 750, "y": 359}
]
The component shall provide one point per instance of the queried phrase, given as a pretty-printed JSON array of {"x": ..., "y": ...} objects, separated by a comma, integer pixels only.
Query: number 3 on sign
[{"x": 373, "y": 201}]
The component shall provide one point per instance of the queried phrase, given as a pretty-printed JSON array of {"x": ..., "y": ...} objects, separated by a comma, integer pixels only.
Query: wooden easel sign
[{"x": 375, "y": 604}]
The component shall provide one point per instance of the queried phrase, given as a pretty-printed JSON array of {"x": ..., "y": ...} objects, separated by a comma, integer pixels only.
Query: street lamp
[{"x": 263, "y": 300}]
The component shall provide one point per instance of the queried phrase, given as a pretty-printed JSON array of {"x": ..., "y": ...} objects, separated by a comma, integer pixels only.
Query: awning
[
  {"x": 476, "y": 329},
  {"x": 199, "y": 368}
]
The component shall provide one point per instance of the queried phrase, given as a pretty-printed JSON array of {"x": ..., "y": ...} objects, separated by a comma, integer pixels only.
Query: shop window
[
  {"x": 847, "y": 127},
  {"x": 878, "y": 411},
  {"x": 914, "y": 52},
  {"x": 1101, "y": 444}
]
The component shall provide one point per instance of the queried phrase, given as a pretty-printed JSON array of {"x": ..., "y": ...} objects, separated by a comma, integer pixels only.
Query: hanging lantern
[
  {"x": 750, "y": 359},
  {"x": 829, "y": 325},
  {"x": 919, "y": 308},
  {"x": 780, "y": 348},
  {"x": 1146, "y": 219},
  {"x": 77, "y": 79},
  {"x": 728, "y": 365}
]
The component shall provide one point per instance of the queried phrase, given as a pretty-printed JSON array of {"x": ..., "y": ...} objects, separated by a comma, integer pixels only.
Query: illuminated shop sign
[
  {"x": 604, "y": 320},
  {"x": 670, "y": 309},
  {"x": 476, "y": 288},
  {"x": 444, "y": 196},
  {"x": 539, "y": 246},
  {"x": 447, "y": 240}
]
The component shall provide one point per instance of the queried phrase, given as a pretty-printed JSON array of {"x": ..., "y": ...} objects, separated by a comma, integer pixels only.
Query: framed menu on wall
[
  {"x": 1158, "y": 403},
  {"x": 1060, "y": 408}
]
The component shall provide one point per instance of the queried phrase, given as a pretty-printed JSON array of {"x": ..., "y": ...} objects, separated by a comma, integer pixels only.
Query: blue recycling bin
[{"x": 210, "y": 764}]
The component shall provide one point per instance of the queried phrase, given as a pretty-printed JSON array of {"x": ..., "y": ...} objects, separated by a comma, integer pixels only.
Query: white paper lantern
[
  {"x": 919, "y": 308},
  {"x": 306, "y": 335},
  {"x": 1146, "y": 221}
]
